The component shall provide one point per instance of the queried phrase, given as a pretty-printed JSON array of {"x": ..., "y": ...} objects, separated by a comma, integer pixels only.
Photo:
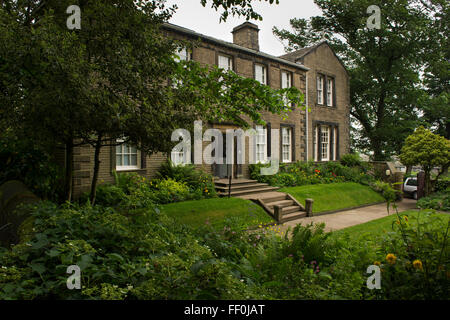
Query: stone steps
[{"x": 241, "y": 187}]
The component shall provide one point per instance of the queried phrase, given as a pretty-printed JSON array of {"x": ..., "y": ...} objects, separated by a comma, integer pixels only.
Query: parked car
[{"x": 410, "y": 187}]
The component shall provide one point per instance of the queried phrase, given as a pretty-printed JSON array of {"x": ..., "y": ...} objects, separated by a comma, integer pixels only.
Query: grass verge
[
  {"x": 217, "y": 210},
  {"x": 334, "y": 196}
]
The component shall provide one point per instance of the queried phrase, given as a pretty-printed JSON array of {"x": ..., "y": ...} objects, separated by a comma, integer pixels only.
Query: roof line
[{"x": 192, "y": 33}]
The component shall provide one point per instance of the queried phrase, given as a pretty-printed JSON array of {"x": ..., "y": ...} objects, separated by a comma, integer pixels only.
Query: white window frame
[
  {"x": 183, "y": 54},
  {"x": 286, "y": 82},
  {"x": 261, "y": 75},
  {"x": 261, "y": 144},
  {"x": 335, "y": 133},
  {"x": 325, "y": 143},
  {"x": 225, "y": 62},
  {"x": 320, "y": 88},
  {"x": 122, "y": 154},
  {"x": 329, "y": 92},
  {"x": 286, "y": 144}
]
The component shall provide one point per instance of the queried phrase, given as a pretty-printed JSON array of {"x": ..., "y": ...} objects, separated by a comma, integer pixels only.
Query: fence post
[{"x": 308, "y": 207}]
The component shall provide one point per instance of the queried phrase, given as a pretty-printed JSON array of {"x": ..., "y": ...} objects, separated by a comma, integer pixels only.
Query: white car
[{"x": 410, "y": 187}]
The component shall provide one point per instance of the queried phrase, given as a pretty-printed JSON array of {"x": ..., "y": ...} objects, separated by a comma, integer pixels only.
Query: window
[
  {"x": 412, "y": 182},
  {"x": 286, "y": 139},
  {"x": 325, "y": 142},
  {"x": 261, "y": 73},
  {"x": 330, "y": 83},
  {"x": 286, "y": 82},
  {"x": 177, "y": 157},
  {"x": 320, "y": 80},
  {"x": 127, "y": 157},
  {"x": 184, "y": 54},
  {"x": 225, "y": 63},
  {"x": 261, "y": 144}
]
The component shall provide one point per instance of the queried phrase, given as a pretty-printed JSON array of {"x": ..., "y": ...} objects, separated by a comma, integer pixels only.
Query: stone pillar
[{"x": 278, "y": 213}]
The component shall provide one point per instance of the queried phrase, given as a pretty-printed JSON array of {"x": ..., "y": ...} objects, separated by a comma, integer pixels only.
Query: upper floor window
[
  {"x": 261, "y": 73},
  {"x": 286, "y": 82},
  {"x": 330, "y": 90},
  {"x": 127, "y": 157},
  {"x": 320, "y": 89},
  {"x": 225, "y": 63},
  {"x": 184, "y": 54}
]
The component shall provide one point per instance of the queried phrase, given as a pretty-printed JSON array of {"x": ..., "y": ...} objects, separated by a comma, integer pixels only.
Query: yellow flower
[
  {"x": 406, "y": 218},
  {"x": 377, "y": 263},
  {"x": 417, "y": 264},
  {"x": 391, "y": 258}
]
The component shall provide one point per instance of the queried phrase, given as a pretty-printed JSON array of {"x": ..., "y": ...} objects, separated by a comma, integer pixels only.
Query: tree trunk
[
  {"x": 98, "y": 146},
  {"x": 408, "y": 170},
  {"x": 68, "y": 179}
]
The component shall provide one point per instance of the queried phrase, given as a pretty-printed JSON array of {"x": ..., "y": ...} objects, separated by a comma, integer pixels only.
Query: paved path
[{"x": 348, "y": 218}]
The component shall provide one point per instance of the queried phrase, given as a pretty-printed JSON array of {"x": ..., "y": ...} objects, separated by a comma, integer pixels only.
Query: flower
[
  {"x": 377, "y": 263},
  {"x": 417, "y": 264},
  {"x": 391, "y": 258}
]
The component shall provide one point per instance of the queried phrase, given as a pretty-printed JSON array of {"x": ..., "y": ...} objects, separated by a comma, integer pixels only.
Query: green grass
[
  {"x": 334, "y": 196},
  {"x": 216, "y": 211},
  {"x": 375, "y": 229}
]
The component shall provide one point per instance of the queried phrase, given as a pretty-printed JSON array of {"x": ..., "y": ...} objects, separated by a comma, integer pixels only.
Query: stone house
[{"x": 320, "y": 135}]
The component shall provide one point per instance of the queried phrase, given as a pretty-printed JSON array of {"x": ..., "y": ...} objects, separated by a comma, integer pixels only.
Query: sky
[{"x": 205, "y": 20}]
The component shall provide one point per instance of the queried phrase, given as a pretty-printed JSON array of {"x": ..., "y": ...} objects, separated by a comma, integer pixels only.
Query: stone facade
[{"x": 244, "y": 55}]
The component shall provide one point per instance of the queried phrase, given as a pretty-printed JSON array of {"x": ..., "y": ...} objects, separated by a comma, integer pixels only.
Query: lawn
[
  {"x": 216, "y": 211},
  {"x": 375, "y": 229},
  {"x": 334, "y": 196}
]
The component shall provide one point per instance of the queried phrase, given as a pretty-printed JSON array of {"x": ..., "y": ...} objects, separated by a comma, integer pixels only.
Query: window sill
[{"x": 130, "y": 170}]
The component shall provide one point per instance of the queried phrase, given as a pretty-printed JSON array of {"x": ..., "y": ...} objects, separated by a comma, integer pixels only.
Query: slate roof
[{"x": 193, "y": 34}]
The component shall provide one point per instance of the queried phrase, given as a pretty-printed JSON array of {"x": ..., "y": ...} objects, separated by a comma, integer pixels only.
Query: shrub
[
  {"x": 442, "y": 184},
  {"x": 135, "y": 254},
  {"x": 436, "y": 201},
  {"x": 351, "y": 160},
  {"x": 169, "y": 190},
  {"x": 27, "y": 162},
  {"x": 200, "y": 182},
  {"x": 414, "y": 258}
]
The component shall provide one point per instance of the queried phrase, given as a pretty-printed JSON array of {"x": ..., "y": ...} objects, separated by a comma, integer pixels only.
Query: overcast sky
[{"x": 191, "y": 14}]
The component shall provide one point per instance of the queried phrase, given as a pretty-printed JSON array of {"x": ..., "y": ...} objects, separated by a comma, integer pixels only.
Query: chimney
[{"x": 246, "y": 35}]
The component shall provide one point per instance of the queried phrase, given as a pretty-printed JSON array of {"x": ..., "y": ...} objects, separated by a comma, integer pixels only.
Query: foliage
[
  {"x": 436, "y": 201},
  {"x": 351, "y": 160},
  {"x": 31, "y": 164},
  {"x": 428, "y": 150},
  {"x": 122, "y": 255},
  {"x": 169, "y": 190},
  {"x": 415, "y": 258},
  {"x": 442, "y": 184},
  {"x": 198, "y": 180},
  {"x": 309, "y": 173}
]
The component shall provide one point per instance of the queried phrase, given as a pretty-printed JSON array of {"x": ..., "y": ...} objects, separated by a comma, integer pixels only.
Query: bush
[
  {"x": 414, "y": 259},
  {"x": 436, "y": 201},
  {"x": 25, "y": 161},
  {"x": 169, "y": 190},
  {"x": 442, "y": 185},
  {"x": 351, "y": 160},
  {"x": 200, "y": 182},
  {"x": 137, "y": 254}
]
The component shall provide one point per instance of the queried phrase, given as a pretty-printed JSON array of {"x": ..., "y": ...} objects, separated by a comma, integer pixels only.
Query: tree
[
  {"x": 108, "y": 81},
  {"x": 428, "y": 150},
  {"x": 384, "y": 64}
]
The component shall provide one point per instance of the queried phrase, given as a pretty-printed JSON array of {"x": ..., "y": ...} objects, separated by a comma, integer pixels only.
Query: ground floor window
[
  {"x": 261, "y": 144},
  {"x": 286, "y": 138},
  {"x": 325, "y": 142},
  {"x": 127, "y": 157}
]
